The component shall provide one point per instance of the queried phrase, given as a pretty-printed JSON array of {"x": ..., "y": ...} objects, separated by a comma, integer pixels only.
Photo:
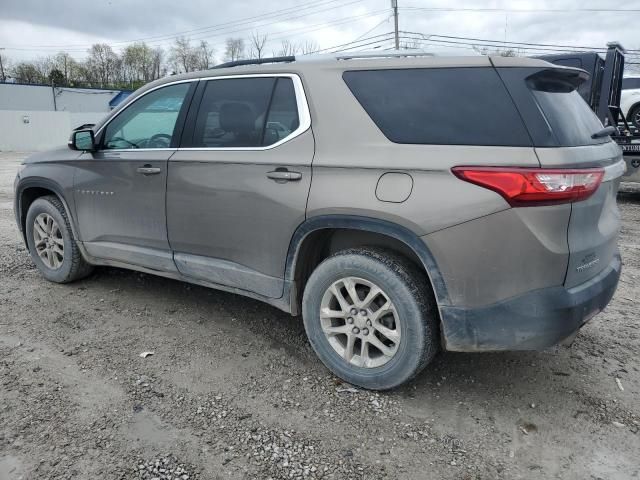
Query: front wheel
[
  {"x": 371, "y": 317},
  {"x": 51, "y": 243}
]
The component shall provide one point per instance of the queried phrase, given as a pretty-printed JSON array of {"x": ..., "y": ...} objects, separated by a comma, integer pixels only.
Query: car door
[
  {"x": 238, "y": 188},
  {"x": 120, "y": 189}
]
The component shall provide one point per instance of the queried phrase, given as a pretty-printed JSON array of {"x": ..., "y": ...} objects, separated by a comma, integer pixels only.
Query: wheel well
[
  {"x": 321, "y": 244},
  {"x": 27, "y": 197}
]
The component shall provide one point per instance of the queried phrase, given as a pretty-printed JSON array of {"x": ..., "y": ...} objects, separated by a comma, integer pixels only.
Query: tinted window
[
  {"x": 283, "y": 113},
  {"x": 149, "y": 122},
  {"x": 446, "y": 106},
  {"x": 571, "y": 120},
  {"x": 246, "y": 112},
  {"x": 629, "y": 83}
]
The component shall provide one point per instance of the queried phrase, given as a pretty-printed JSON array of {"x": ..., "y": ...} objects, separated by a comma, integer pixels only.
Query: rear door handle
[
  {"x": 148, "y": 170},
  {"x": 282, "y": 176}
]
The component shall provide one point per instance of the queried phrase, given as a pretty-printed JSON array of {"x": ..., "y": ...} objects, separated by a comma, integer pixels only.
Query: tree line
[{"x": 139, "y": 63}]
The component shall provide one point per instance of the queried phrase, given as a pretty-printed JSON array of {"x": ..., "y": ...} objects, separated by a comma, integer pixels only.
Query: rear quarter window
[
  {"x": 442, "y": 106},
  {"x": 554, "y": 112}
]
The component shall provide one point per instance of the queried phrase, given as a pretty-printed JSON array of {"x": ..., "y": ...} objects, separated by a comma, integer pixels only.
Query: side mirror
[{"x": 82, "y": 140}]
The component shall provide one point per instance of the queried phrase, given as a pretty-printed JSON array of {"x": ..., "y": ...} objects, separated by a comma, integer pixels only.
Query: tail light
[{"x": 523, "y": 187}]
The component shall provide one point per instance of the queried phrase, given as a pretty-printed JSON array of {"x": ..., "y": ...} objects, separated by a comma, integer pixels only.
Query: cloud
[{"x": 31, "y": 28}]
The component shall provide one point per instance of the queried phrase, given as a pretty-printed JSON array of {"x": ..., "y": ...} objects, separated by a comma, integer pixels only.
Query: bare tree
[
  {"x": 204, "y": 56},
  {"x": 309, "y": 46},
  {"x": 5, "y": 67},
  {"x": 287, "y": 48},
  {"x": 103, "y": 63},
  {"x": 257, "y": 44},
  {"x": 44, "y": 65},
  {"x": 234, "y": 49},
  {"x": 26, "y": 72},
  {"x": 183, "y": 55},
  {"x": 158, "y": 68},
  {"x": 67, "y": 65}
]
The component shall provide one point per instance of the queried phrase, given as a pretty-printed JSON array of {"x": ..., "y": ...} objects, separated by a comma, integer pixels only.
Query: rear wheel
[
  {"x": 371, "y": 318},
  {"x": 51, "y": 243}
]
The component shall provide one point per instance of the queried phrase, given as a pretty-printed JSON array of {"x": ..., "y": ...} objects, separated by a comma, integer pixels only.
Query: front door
[
  {"x": 238, "y": 190},
  {"x": 120, "y": 190}
]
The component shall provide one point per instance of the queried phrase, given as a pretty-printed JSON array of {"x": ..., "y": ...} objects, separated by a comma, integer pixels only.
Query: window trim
[
  {"x": 102, "y": 130},
  {"x": 304, "y": 116}
]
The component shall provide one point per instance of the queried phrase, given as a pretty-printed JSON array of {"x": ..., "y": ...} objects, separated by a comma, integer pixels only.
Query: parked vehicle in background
[
  {"x": 630, "y": 100},
  {"x": 352, "y": 190},
  {"x": 608, "y": 94}
]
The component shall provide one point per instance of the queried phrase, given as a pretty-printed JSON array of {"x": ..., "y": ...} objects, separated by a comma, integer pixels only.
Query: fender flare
[
  {"x": 40, "y": 182},
  {"x": 355, "y": 222}
]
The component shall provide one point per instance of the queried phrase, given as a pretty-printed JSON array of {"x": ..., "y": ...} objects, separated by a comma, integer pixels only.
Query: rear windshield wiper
[{"x": 605, "y": 132}]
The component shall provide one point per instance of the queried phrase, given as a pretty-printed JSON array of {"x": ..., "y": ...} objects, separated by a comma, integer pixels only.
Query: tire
[
  {"x": 634, "y": 116},
  {"x": 59, "y": 268},
  {"x": 414, "y": 319}
]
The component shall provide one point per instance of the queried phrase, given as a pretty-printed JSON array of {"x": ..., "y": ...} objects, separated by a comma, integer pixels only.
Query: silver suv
[{"x": 401, "y": 205}]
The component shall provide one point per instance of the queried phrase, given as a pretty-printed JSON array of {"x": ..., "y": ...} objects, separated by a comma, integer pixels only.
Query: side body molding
[{"x": 355, "y": 222}]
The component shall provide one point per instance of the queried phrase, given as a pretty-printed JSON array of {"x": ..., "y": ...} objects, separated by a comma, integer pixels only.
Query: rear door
[
  {"x": 562, "y": 125},
  {"x": 238, "y": 186}
]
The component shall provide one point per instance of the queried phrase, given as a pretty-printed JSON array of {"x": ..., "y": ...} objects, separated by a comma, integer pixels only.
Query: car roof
[
  {"x": 306, "y": 64},
  {"x": 353, "y": 61}
]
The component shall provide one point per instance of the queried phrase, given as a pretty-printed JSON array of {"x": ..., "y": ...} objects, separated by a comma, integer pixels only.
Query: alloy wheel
[
  {"x": 48, "y": 241},
  {"x": 360, "y": 322}
]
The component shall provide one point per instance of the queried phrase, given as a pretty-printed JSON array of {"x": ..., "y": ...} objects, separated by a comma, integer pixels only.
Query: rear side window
[
  {"x": 442, "y": 106},
  {"x": 555, "y": 113},
  {"x": 569, "y": 116},
  {"x": 246, "y": 112}
]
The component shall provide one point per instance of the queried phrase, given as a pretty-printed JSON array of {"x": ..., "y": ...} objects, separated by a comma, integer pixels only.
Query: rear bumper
[{"x": 532, "y": 321}]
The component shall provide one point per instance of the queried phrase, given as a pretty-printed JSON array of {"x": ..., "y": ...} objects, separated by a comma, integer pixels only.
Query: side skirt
[{"x": 283, "y": 303}]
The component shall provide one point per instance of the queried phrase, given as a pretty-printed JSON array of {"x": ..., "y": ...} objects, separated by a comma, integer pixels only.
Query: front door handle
[
  {"x": 148, "y": 170},
  {"x": 284, "y": 175}
]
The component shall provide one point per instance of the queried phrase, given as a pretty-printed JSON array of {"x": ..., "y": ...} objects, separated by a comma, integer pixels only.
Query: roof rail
[
  {"x": 256, "y": 61},
  {"x": 403, "y": 53}
]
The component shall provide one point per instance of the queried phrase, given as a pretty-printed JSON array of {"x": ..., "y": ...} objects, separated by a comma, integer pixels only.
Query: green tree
[{"x": 56, "y": 77}]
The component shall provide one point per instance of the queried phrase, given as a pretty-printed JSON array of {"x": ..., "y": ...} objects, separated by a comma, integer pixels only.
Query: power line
[
  {"x": 502, "y": 42},
  {"x": 352, "y": 42},
  {"x": 386, "y": 19},
  {"x": 203, "y": 32},
  {"x": 522, "y": 10}
]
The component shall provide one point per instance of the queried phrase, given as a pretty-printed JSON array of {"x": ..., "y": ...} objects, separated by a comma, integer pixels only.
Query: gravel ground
[{"x": 233, "y": 389}]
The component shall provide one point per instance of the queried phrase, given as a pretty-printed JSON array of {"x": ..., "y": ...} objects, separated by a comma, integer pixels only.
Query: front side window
[
  {"x": 246, "y": 112},
  {"x": 149, "y": 122}
]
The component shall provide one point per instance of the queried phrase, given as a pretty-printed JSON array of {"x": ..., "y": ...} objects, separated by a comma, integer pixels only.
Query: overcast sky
[{"x": 41, "y": 27}]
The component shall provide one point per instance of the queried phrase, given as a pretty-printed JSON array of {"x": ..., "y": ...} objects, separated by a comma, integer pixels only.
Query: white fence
[
  {"x": 39, "y": 130},
  {"x": 62, "y": 99}
]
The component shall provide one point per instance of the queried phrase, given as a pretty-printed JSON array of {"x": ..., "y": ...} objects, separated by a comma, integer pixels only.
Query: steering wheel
[{"x": 159, "y": 140}]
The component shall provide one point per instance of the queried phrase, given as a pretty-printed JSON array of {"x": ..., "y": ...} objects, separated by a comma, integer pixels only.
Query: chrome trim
[
  {"x": 614, "y": 171},
  {"x": 134, "y": 100},
  {"x": 304, "y": 116}
]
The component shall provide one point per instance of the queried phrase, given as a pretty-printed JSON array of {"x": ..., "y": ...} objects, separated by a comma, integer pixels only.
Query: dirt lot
[{"x": 234, "y": 389}]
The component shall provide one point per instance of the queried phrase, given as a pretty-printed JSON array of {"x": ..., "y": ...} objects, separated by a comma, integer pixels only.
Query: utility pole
[
  {"x": 394, "y": 5},
  {"x": 2, "y": 77}
]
